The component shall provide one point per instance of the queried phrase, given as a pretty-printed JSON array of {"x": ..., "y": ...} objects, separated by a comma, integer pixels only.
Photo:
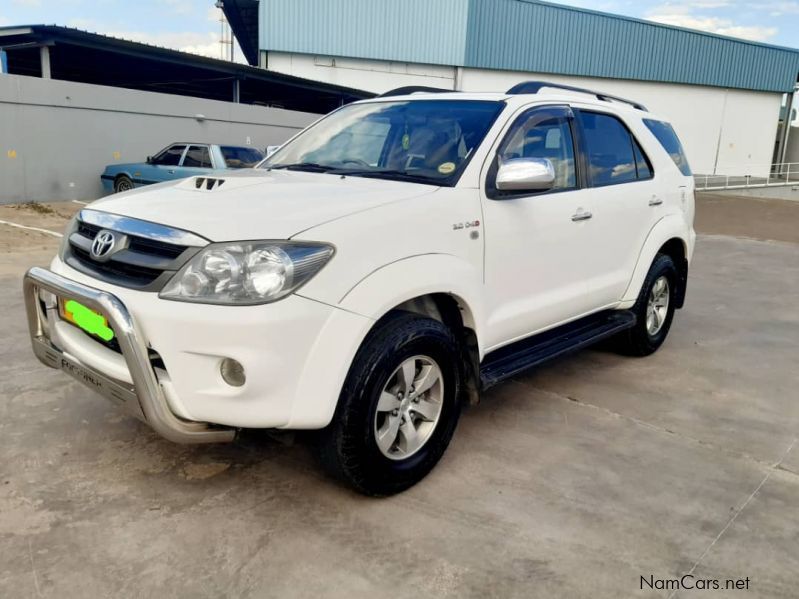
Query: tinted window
[
  {"x": 170, "y": 156},
  {"x": 671, "y": 143},
  {"x": 421, "y": 140},
  {"x": 610, "y": 149},
  {"x": 363, "y": 143},
  {"x": 544, "y": 134},
  {"x": 236, "y": 157},
  {"x": 198, "y": 157},
  {"x": 641, "y": 162}
]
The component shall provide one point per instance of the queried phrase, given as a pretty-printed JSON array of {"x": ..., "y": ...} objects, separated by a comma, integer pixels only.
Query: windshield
[
  {"x": 429, "y": 141},
  {"x": 240, "y": 157}
]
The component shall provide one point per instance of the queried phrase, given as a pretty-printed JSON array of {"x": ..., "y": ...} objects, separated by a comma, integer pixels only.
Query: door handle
[
  {"x": 171, "y": 172},
  {"x": 655, "y": 201},
  {"x": 577, "y": 217}
]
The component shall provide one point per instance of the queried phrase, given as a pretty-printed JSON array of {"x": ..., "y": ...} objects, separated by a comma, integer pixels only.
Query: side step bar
[{"x": 510, "y": 360}]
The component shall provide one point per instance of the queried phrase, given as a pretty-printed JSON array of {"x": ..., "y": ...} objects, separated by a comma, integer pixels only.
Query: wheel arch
[
  {"x": 669, "y": 236},
  {"x": 127, "y": 175},
  {"x": 436, "y": 285},
  {"x": 677, "y": 249},
  {"x": 439, "y": 286}
]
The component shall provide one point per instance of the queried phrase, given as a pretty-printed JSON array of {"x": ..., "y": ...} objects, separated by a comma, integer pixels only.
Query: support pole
[
  {"x": 44, "y": 55},
  {"x": 236, "y": 91},
  {"x": 786, "y": 131}
]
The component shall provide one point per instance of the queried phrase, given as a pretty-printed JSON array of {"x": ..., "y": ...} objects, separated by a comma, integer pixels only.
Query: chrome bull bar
[{"x": 144, "y": 399}]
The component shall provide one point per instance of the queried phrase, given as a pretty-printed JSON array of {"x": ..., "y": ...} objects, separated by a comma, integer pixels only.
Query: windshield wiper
[
  {"x": 311, "y": 167},
  {"x": 389, "y": 173}
]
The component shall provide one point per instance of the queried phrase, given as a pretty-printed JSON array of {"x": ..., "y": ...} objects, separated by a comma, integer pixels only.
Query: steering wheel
[{"x": 356, "y": 161}]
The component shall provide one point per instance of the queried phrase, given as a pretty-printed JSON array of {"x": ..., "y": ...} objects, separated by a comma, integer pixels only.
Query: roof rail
[
  {"x": 533, "y": 87},
  {"x": 414, "y": 89}
]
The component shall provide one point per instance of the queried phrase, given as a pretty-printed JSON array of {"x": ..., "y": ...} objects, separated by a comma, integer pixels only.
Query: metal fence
[{"x": 780, "y": 174}]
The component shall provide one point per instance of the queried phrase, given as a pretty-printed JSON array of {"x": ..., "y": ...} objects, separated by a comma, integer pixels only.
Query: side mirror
[
  {"x": 525, "y": 174},
  {"x": 149, "y": 160}
]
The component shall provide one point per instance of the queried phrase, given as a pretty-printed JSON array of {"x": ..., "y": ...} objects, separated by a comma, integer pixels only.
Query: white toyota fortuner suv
[{"x": 381, "y": 269}]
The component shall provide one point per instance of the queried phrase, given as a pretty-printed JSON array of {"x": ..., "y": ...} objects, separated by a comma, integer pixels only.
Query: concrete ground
[{"x": 572, "y": 481}]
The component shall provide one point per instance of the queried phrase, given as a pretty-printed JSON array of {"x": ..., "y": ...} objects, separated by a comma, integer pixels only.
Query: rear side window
[
  {"x": 614, "y": 155},
  {"x": 198, "y": 157},
  {"x": 671, "y": 143},
  {"x": 238, "y": 157}
]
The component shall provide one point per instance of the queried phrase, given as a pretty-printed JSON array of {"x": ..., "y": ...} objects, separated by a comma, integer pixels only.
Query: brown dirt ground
[
  {"x": 39, "y": 246},
  {"x": 754, "y": 218}
]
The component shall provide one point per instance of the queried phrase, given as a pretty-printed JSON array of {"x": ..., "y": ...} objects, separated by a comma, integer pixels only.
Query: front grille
[
  {"x": 136, "y": 276},
  {"x": 141, "y": 262},
  {"x": 157, "y": 248}
]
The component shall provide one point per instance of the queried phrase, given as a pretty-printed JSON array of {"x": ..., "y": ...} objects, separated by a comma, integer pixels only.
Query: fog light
[{"x": 232, "y": 372}]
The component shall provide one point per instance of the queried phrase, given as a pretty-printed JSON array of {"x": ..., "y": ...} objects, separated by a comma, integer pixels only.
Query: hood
[{"x": 255, "y": 204}]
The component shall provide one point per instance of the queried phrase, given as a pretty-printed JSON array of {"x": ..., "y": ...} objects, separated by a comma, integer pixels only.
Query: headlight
[{"x": 247, "y": 273}]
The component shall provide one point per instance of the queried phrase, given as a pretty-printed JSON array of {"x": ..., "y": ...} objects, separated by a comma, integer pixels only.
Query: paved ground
[{"x": 573, "y": 481}]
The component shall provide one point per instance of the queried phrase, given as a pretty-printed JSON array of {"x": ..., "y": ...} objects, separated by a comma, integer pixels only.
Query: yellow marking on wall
[
  {"x": 117, "y": 155},
  {"x": 12, "y": 153}
]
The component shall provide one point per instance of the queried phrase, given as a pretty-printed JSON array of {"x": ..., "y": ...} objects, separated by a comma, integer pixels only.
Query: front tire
[
  {"x": 654, "y": 309},
  {"x": 122, "y": 183},
  {"x": 398, "y": 408}
]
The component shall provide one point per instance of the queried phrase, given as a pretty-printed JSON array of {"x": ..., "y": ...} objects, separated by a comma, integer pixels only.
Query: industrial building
[{"x": 723, "y": 95}]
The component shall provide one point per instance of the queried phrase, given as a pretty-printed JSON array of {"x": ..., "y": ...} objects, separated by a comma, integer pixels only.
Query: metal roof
[
  {"x": 85, "y": 57},
  {"x": 517, "y": 35}
]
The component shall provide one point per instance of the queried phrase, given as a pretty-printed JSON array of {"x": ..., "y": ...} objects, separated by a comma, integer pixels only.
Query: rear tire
[
  {"x": 122, "y": 183},
  {"x": 654, "y": 310},
  {"x": 370, "y": 444}
]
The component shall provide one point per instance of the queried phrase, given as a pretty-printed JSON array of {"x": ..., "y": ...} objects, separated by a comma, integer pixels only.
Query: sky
[{"x": 193, "y": 25}]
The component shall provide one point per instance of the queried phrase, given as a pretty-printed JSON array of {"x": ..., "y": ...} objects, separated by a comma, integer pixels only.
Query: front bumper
[{"x": 143, "y": 397}]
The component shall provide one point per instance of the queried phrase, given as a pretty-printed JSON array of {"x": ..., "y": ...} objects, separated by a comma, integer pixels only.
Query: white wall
[
  {"x": 56, "y": 137},
  {"x": 722, "y": 130},
  {"x": 371, "y": 75}
]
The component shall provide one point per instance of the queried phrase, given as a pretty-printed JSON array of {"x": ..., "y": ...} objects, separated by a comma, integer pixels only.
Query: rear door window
[
  {"x": 198, "y": 157},
  {"x": 671, "y": 143},
  {"x": 609, "y": 145}
]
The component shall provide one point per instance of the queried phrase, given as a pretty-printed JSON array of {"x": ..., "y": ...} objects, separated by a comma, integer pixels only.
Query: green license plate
[{"x": 87, "y": 319}]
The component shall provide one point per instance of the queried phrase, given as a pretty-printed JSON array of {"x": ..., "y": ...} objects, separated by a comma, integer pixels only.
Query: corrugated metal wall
[
  {"x": 522, "y": 35},
  {"x": 423, "y": 31}
]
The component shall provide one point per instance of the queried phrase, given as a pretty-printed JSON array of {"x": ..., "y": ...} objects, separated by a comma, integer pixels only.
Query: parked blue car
[{"x": 178, "y": 161}]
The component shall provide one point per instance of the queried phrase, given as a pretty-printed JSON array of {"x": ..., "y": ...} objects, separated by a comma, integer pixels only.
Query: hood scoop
[{"x": 208, "y": 183}]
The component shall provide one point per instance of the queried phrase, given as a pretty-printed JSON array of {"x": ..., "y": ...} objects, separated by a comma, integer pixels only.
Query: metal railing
[{"x": 780, "y": 174}]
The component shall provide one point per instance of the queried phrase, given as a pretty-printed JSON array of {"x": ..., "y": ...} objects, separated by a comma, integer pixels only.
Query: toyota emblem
[{"x": 103, "y": 245}]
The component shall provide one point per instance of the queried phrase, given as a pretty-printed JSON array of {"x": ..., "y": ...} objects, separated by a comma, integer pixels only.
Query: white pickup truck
[{"x": 380, "y": 270}]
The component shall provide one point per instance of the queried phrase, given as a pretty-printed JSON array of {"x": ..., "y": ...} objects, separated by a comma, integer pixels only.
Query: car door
[
  {"x": 196, "y": 161},
  {"x": 164, "y": 165},
  {"x": 626, "y": 202},
  {"x": 537, "y": 250}
]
